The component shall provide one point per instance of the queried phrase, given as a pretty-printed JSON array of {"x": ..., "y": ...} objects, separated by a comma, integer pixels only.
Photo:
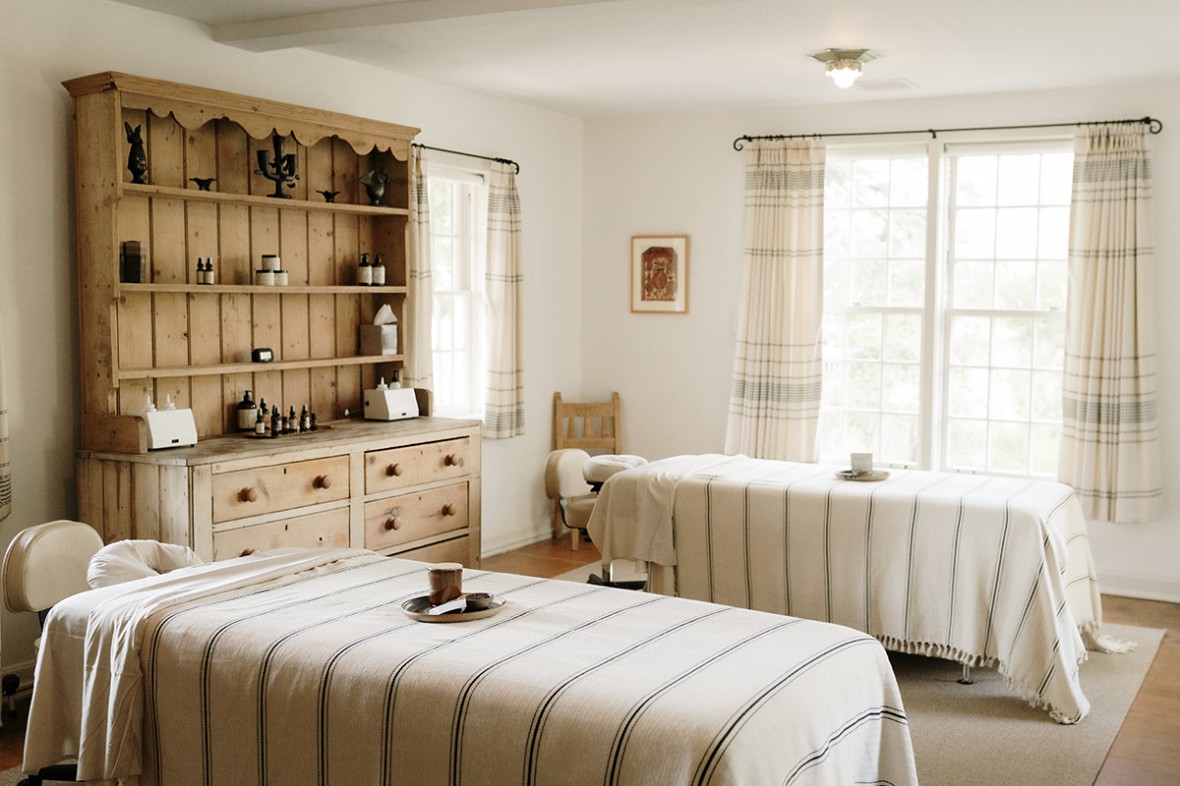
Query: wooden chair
[{"x": 592, "y": 426}]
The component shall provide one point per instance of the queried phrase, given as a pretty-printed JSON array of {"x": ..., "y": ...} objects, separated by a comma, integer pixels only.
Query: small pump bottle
[
  {"x": 247, "y": 412},
  {"x": 364, "y": 271}
]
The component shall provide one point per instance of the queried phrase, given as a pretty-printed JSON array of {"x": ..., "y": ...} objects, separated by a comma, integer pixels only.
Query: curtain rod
[
  {"x": 1154, "y": 125},
  {"x": 469, "y": 155}
]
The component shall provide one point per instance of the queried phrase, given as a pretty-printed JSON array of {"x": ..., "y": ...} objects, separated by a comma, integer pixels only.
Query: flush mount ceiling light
[{"x": 843, "y": 65}]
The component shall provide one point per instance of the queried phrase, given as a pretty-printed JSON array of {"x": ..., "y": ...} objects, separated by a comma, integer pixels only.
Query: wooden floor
[{"x": 1146, "y": 751}]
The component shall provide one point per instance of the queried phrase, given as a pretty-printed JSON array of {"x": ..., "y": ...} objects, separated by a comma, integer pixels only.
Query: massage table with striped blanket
[
  {"x": 981, "y": 570},
  {"x": 299, "y": 667}
]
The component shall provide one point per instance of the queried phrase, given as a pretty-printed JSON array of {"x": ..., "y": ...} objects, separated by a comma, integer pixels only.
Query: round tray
[
  {"x": 865, "y": 477},
  {"x": 417, "y": 608}
]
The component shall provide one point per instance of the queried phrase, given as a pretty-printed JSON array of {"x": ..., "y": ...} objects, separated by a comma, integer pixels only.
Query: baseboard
[
  {"x": 491, "y": 550},
  {"x": 1166, "y": 590}
]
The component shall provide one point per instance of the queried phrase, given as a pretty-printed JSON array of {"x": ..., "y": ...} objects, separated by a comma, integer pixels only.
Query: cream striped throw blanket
[
  {"x": 313, "y": 675},
  {"x": 981, "y": 570}
]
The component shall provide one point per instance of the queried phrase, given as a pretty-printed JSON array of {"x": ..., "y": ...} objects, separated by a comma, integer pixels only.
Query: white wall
[
  {"x": 46, "y": 42},
  {"x": 680, "y": 174}
]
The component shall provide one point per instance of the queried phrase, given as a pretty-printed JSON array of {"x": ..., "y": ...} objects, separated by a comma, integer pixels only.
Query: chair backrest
[
  {"x": 563, "y": 474},
  {"x": 593, "y": 425},
  {"x": 46, "y": 563}
]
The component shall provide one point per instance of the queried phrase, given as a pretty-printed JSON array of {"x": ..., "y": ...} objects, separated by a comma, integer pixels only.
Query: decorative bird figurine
[
  {"x": 203, "y": 183},
  {"x": 374, "y": 184},
  {"x": 329, "y": 196}
]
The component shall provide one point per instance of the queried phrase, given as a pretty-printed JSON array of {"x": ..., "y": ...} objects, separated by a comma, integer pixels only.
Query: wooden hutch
[{"x": 410, "y": 487}]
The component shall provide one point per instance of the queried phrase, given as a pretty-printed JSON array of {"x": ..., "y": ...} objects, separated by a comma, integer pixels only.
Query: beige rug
[{"x": 984, "y": 733}]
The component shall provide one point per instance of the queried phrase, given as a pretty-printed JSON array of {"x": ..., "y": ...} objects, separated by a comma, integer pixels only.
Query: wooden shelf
[
  {"x": 250, "y": 368},
  {"x": 255, "y": 289},
  {"x": 195, "y": 194}
]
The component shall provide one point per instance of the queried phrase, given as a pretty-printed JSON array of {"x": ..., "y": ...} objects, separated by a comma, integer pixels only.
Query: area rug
[{"x": 985, "y": 733}]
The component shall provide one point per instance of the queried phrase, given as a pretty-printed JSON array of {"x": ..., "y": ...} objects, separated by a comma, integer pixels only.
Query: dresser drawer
[
  {"x": 253, "y": 492},
  {"x": 409, "y": 517},
  {"x": 397, "y": 468},
  {"x": 329, "y": 529}
]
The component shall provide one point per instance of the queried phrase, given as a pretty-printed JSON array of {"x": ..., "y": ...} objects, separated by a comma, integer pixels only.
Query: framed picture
[{"x": 659, "y": 273}]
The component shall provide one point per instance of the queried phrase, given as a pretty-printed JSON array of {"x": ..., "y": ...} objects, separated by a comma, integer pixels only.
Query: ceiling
[{"x": 588, "y": 57}]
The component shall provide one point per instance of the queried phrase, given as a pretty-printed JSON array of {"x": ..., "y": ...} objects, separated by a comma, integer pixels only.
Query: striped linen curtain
[
  {"x": 1109, "y": 439},
  {"x": 5, "y": 468},
  {"x": 775, "y": 396},
  {"x": 417, "y": 335},
  {"x": 503, "y": 282}
]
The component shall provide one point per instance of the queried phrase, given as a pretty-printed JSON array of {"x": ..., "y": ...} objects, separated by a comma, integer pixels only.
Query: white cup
[
  {"x": 862, "y": 463},
  {"x": 264, "y": 278},
  {"x": 271, "y": 262}
]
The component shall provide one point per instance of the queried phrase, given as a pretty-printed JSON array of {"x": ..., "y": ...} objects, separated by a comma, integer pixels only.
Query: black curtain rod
[
  {"x": 470, "y": 155},
  {"x": 1154, "y": 125}
]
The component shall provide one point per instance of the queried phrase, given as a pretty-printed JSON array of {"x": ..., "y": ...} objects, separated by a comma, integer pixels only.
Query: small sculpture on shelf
[
  {"x": 282, "y": 169},
  {"x": 203, "y": 183},
  {"x": 374, "y": 183},
  {"x": 329, "y": 196},
  {"x": 136, "y": 158}
]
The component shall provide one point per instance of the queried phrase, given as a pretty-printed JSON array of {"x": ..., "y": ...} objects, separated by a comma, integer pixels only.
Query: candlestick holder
[{"x": 281, "y": 170}]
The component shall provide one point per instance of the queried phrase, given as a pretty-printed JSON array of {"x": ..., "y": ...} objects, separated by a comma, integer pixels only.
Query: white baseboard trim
[
  {"x": 1166, "y": 590},
  {"x": 491, "y": 550}
]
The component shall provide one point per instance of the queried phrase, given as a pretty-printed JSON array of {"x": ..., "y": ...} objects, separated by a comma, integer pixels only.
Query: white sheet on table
[{"x": 110, "y": 723}]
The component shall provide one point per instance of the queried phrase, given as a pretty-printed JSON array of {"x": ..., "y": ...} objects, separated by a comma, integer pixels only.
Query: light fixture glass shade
[
  {"x": 843, "y": 72},
  {"x": 844, "y": 65}
]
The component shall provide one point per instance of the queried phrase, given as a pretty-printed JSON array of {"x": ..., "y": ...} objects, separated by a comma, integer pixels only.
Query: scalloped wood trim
[{"x": 194, "y": 106}]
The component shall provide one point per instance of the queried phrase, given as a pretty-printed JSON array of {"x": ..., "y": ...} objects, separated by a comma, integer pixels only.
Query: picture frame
[{"x": 659, "y": 274}]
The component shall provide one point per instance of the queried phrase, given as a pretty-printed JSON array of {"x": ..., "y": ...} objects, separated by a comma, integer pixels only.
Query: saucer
[
  {"x": 418, "y": 608},
  {"x": 877, "y": 474}
]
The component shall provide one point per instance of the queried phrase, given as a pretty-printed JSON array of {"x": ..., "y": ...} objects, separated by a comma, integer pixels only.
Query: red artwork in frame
[{"x": 659, "y": 273}]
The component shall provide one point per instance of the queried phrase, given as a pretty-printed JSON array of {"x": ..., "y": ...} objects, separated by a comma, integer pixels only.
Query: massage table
[
  {"x": 981, "y": 570},
  {"x": 299, "y": 667}
]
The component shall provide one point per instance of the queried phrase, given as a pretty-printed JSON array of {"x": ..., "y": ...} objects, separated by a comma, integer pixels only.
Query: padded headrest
[
  {"x": 46, "y": 563},
  {"x": 597, "y": 469},
  {"x": 127, "y": 560},
  {"x": 563, "y": 474}
]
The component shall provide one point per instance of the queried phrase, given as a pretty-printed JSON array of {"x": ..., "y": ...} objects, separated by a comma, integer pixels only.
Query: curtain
[
  {"x": 503, "y": 284},
  {"x": 417, "y": 337},
  {"x": 1109, "y": 440},
  {"x": 775, "y": 395},
  {"x": 5, "y": 469}
]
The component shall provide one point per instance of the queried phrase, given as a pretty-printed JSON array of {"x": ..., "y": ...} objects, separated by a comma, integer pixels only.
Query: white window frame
[
  {"x": 470, "y": 242},
  {"x": 933, "y": 415}
]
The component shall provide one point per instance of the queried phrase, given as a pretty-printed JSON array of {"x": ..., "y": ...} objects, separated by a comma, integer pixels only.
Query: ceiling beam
[{"x": 334, "y": 26}]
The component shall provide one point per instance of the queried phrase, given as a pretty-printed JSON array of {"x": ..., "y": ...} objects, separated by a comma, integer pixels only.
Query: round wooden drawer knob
[
  {"x": 448, "y": 509},
  {"x": 394, "y": 470},
  {"x": 322, "y": 482},
  {"x": 453, "y": 460},
  {"x": 249, "y": 494},
  {"x": 392, "y": 523}
]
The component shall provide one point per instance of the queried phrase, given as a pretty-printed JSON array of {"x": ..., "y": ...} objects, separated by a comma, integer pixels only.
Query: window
[
  {"x": 954, "y": 365},
  {"x": 458, "y": 230}
]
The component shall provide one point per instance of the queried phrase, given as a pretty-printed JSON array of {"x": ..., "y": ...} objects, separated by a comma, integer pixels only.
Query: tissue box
[{"x": 378, "y": 339}]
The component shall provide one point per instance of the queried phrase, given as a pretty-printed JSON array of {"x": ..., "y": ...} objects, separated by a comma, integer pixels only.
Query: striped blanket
[
  {"x": 315, "y": 676},
  {"x": 982, "y": 570}
]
